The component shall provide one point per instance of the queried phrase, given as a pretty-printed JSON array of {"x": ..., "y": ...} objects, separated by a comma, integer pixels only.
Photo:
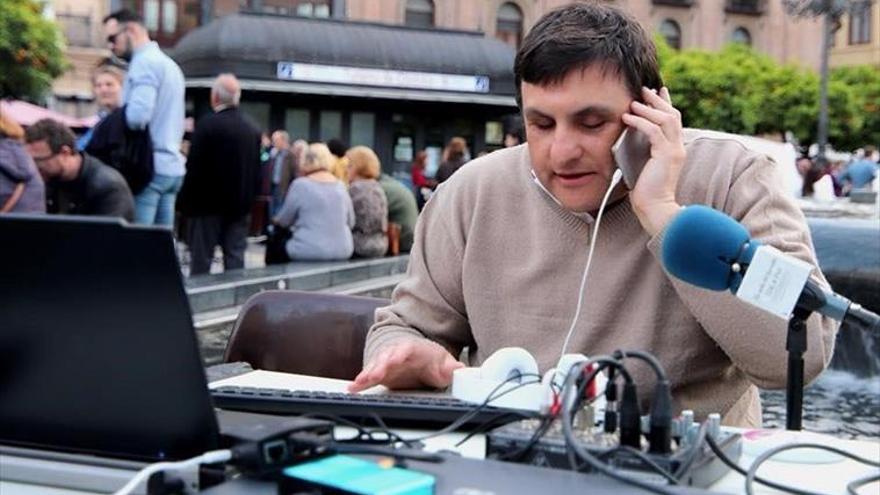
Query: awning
[
  {"x": 343, "y": 58},
  {"x": 26, "y": 114},
  {"x": 358, "y": 91}
]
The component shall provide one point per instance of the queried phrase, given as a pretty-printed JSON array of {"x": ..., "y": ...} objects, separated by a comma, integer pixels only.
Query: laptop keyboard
[{"x": 402, "y": 411}]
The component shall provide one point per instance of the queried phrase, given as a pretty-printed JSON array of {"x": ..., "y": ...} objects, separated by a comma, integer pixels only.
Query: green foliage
[
  {"x": 741, "y": 91},
  {"x": 31, "y": 50},
  {"x": 863, "y": 82}
]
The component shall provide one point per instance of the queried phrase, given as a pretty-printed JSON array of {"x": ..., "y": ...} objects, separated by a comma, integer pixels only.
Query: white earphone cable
[{"x": 615, "y": 179}]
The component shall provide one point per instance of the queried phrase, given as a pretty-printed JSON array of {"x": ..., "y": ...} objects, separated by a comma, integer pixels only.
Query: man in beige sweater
[{"x": 497, "y": 259}]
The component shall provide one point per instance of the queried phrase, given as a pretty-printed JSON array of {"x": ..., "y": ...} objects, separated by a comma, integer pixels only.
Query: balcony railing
[
  {"x": 675, "y": 3},
  {"x": 747, "y": 7}
]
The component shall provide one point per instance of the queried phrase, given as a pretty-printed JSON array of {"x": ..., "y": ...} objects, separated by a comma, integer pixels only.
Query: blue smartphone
[{"x": 631, "y": 152}]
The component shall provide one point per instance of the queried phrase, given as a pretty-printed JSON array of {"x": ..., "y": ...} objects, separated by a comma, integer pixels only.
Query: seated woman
[
  {"x": 370, "y": 203},
  {"x": 318, "y": 211},
  {"x": 21, "y": 187}
]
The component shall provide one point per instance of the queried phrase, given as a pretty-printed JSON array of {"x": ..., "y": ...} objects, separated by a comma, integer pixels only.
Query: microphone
[{"x": 707, "y": 248}]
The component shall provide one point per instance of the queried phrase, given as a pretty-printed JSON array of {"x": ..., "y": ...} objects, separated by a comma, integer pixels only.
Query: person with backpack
[{"x": 154, "y": 100}]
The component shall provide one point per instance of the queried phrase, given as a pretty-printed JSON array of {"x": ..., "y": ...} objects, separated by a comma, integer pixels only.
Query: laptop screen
[{"x": 97, "y": 349}]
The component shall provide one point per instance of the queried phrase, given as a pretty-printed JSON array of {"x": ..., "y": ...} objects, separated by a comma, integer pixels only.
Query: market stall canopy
[{"x": 26, "y": 114}]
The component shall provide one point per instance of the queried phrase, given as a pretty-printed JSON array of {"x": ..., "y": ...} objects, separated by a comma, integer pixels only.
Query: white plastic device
[{"x": 509, "y": 379}]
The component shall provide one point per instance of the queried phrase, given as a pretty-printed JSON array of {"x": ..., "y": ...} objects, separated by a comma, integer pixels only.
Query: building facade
[
  {"x": 857, "y": 41},
  {"x": 86, "y": 47},
  {"x": 396, "y": 120},
  {"x": 706, "y": 24},
  {"x": 397, "y": 89}
]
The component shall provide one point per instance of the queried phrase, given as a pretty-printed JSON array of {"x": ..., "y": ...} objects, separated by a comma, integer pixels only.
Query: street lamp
[{"x": 831, "y": 11}]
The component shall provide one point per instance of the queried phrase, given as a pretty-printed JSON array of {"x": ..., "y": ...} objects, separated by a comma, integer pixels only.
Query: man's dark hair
[
  {"x": 53, "y": 132},
  {"x": 337, "y": 147},
  {"x": 585, "y": 34},
  {"x": 124, "y": 15}
]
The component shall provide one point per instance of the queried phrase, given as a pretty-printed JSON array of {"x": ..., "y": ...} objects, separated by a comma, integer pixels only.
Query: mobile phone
[{"x": 631, "y": 152}]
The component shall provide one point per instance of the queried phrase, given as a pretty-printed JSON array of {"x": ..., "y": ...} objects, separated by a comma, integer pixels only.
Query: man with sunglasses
[
  {"x": 76, "y": 183},
  {"x": 153, "y": 98}
]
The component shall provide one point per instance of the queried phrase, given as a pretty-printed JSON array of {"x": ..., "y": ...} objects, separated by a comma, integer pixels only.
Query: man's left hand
[{"x": 653, "y": 197}]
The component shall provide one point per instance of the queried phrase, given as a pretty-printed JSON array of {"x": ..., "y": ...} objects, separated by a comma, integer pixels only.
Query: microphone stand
[{"x": 796, "y": 345}]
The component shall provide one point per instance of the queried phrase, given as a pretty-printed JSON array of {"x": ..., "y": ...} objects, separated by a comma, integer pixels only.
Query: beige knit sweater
[{"x": 497, "y": 263}]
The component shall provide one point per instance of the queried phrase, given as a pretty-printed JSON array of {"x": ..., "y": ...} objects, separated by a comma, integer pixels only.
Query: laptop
[{"x": 98, "y": 354}]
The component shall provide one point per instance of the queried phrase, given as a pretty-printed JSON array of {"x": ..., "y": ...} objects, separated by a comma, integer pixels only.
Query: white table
[{"x": 810, "y": 470}]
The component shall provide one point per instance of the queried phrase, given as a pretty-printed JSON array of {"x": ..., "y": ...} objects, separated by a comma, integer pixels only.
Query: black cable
[
  {"x": 409, "y": 442},
  {"x": 476, "y": 410},
  {"x": 610, "y": 423},
  {"x": 643, "y": 356},
  {"x": 486, "y": 426},
  {"x": 518, "y": 454},
  {"x": 630, "y": 416},
  {"x": 318, "y": 446},
  {"x": 852, "y": 486},
  {"x": 736, "y": 467},
  {"x": 660, "y": 434},
  {"x": 571, "y": 441},
  {"x": 391, "y": 435},
  {"x": 492, "y": 422},
  {"x": 634, "y": 451},
  {"x": 761, "y": 459},
  {"x": 579, "y": 369},
  {"x": 415, "y": 455},
  {"x": 545, "y": 425},
  {"x": 364, "y": 434},
  {"x": 671, "y": 478}
]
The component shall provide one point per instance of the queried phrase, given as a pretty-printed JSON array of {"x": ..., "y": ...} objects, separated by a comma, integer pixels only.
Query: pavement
[{"x": 254, "y": 256}]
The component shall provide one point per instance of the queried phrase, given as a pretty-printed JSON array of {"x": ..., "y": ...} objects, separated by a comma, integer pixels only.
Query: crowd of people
[
  {"x": 485, "y": 272},
  {"x": 843, "y": 177},
  {"x": 327, "y": 201}
]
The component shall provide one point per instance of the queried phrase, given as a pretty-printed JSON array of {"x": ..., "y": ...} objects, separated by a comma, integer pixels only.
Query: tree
[
  {"x": 738, "y": 90},
  {"x": 830, "y": 11},
  {"x": 741, "y": 91},
  {"x": 864, "y": 84},
  {"x": 31, "y": 50}
]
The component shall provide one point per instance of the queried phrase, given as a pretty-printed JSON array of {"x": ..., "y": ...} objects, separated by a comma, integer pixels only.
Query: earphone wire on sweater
[{"x": 615, "y": 179}]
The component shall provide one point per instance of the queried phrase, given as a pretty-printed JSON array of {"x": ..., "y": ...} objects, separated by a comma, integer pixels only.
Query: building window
[
  {"x": 419, "y": 13},
  {"x": 674, "y": 3},
  {"x": 77, "y": 28},
  {"x": 258, "y": 111},
  {"x": 363, "y": 129},
  {"x": 167, "y": 20},
  {"x": 671, "y": 32},
  {"x": 860, "y": 24},
  {"x": 494, "y": 133},
  {"x": 746, "y": 7},
  {"x": 169, "y": 17},
  {"x": 302, "y": 8},
  {"x": 741, "y": 35},
  {"x": 296, "y": 123},
  {"x": 151, "y": 15},
  {"x": 510, "y": 24},
  {"x": 330, "y": 122}
]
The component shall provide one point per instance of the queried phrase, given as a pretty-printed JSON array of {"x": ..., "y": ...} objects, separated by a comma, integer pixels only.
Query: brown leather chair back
[{"x": 309, "y": 333}]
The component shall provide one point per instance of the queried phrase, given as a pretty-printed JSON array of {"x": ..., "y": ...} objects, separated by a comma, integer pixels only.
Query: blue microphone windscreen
[{"x": 700, "y": 244}]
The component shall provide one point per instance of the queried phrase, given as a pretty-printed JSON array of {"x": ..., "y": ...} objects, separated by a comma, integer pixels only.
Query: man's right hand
[{"x": 407, "y": 365}]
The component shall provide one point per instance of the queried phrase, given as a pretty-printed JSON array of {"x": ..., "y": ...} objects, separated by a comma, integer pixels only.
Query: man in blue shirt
[
  {"x": 860, "y": 173},
  {"x": 153, "y": 95}
]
